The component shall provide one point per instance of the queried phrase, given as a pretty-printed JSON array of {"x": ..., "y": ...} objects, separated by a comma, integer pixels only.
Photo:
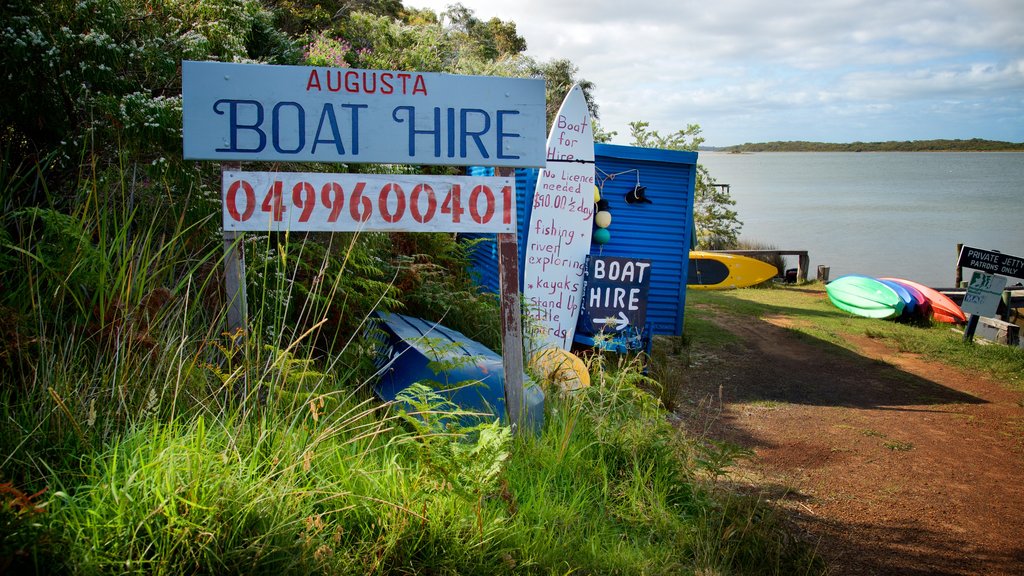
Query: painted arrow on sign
[{"x": 620, "y": 323}]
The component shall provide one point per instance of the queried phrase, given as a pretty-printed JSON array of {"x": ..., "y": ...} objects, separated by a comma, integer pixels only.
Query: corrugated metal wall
[
  {"x": 659, "y": 231},
  {"x": 485, "y": 252}
]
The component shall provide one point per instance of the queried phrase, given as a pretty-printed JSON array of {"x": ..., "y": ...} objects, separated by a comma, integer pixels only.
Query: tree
[
  {"x": 600, "y": 134},
  {"x": 717, "y": 224},
  {"x": 297, "y": 17},
  {"x": 560, "y": 76},
  {"x": 491, "y": 40}
]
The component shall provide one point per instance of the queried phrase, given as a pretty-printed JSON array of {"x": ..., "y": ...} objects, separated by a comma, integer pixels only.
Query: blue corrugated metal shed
[{"x": 660, "y": 231}]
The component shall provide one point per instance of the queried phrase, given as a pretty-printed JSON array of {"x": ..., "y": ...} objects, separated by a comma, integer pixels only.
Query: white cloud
[{"x": 749, "y": 70}]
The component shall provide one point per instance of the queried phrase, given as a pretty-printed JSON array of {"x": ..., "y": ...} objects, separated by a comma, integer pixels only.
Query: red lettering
[
  {"x": 272, "y": 201},
  {"x": 351, "y": 81},
  {"x": 232, "y": 200},
  {"x": 420, "y": 86},
  {"x": 385, "y": 83},
  {"x": 314, "y": 80},
  {"x": 453, "y": 203},
  {"x": 304, "y": 198},
  {"x": 360, "y": 206},
  {"x": 474, "y": 204},
  {"x": 506, "y": 197},
  {"x": 331, "y": 86},
  {"x": 414, "y": 203},
  {"x": 369, "y": 89},
  {"x": 385, "y": 210},
  {"x": 332, "y": 197}
]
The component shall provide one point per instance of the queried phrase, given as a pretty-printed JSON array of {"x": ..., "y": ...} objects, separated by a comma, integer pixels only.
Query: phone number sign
[{"x": 319, "y": 202}]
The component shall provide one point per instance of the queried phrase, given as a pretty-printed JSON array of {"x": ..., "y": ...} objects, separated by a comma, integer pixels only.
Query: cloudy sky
[{"x": 754, "y": 71}]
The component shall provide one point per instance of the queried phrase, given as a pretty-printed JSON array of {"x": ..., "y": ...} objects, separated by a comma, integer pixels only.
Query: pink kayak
[{"x": 943, "y": 309}]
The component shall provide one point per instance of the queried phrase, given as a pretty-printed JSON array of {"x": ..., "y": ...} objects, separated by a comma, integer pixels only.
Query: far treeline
[{"x": 972, "y": 145}]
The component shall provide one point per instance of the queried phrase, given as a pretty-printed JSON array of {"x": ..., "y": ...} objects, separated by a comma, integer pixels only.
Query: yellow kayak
[{"x": 721, "y": 271}]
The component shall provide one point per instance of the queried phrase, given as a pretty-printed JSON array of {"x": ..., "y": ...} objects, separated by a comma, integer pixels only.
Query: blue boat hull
[{"x": 463, "y": 371}]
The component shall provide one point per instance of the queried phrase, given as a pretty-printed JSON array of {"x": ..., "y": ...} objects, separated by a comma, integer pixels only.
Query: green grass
[
  {"x": 812, "y": 314},
  {"x": 125, "y": 446},
  {"x": 696, "y": 328}
]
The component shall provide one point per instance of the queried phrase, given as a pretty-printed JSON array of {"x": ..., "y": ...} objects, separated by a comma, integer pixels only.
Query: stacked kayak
[
  {"x": 941, "y": 307},
  {"x": 865, "y": 296},
  {"x": 891, "y": 298}
]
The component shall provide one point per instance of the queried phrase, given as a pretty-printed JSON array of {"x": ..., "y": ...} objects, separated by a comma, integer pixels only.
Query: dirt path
[{"x": 893, "y": 464}]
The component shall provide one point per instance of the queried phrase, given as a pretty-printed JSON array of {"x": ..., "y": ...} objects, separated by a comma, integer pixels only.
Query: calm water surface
[{"x": 880, "y": 214}]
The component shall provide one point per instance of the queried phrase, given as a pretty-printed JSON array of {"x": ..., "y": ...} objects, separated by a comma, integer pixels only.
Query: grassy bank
[
  {"x": 136, "y": 437},
  {"x": 811, "y": 314}
]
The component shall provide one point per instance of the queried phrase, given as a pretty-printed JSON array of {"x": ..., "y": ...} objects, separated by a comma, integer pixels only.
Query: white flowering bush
[{"x": 97, "y": 81}]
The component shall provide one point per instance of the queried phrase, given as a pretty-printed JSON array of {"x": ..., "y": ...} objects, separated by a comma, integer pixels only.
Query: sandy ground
[{"x": 891, "y": 464}]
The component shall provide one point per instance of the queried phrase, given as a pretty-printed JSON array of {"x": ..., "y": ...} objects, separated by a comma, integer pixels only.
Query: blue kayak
[
  {"x": 909, "y": 302},
  {"x": 463, "y": 371}
]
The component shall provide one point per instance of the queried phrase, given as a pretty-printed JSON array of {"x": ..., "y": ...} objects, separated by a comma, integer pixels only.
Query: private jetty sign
[
  {"x": 987, "y": 283},
  {"x": 991, "y": 262},
  {"x": 252, "y": 112}
]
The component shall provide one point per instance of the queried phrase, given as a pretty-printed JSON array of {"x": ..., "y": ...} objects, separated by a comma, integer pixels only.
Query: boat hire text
[{"x": 349, "y": 115}]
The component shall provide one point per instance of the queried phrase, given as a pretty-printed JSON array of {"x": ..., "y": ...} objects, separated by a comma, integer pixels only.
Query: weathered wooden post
[
  {"x": 234, "y": 291},
  {"x": 234, "y": 270},
  {"x": 511, "y": 321},
  {"x": 959, "y": 277},
  {"x": 803, "y": 263},
  {"x": 823, "y": 273}
]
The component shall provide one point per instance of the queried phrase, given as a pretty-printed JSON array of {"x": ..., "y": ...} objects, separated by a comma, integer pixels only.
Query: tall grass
[
  {"x": 776, "y": 260},
  {"x": 126, "y": 449}
]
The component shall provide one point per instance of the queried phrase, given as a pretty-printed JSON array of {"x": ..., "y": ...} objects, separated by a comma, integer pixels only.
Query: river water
[{"x": 878, "y": 213}]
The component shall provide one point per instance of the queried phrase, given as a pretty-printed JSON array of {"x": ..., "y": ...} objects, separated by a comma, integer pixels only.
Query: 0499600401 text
[{"x": 273, "y": 201}]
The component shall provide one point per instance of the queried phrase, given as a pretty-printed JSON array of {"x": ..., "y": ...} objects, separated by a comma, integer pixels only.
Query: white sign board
[
  {"x": 558, "y": 237},
  {"x": 983, "y": 294},
  {"x": 322, "y": 202},
  {"x": 249, "y": 112}
]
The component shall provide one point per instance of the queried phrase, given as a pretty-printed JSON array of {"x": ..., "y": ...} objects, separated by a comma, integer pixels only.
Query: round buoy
[
  {"x": 597, "y": 194},
  {"x": 561, "y": 368},
  {"x": 602, "y": 236},
  {"x": 603, "y": 219}
]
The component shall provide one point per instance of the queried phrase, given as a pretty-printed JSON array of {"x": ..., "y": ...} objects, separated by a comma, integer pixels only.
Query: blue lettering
[
  {"x": 355, "y": 124},
  {"x": 451, "y": 132},
  {"x": 500, "y": 121},
  {"x": 328, "y": 113},
  {"x": 413, "y": 132},
  {"x": 235, "y": 127},
  {"x": 466, "y": 133},
  {"x": 300, "y": 127}
]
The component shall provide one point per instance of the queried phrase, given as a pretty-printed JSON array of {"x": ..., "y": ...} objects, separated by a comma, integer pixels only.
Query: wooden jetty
[{"x": 803, "y": 260}]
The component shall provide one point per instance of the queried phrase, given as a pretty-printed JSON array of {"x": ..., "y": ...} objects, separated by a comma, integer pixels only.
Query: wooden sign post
[
  {"x": 511, "y": 320},
  {"x": 366, "y": 116},
  {"x": 985, "y": 290}
]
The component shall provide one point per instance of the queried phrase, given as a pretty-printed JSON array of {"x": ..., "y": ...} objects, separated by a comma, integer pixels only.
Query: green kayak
[{"x": 864, "y": 296}]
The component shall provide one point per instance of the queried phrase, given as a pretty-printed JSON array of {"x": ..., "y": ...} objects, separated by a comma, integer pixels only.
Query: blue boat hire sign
[
  {"x": 256, "y": 112},
  {"x": 615, "y": 294}
]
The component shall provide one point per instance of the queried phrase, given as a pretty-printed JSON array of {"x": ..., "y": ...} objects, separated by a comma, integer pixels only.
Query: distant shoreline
[{"x": 973, "y": 145}]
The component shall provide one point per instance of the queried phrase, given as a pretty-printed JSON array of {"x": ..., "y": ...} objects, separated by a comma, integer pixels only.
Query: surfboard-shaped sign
[{"x": 558, "y": 239}]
